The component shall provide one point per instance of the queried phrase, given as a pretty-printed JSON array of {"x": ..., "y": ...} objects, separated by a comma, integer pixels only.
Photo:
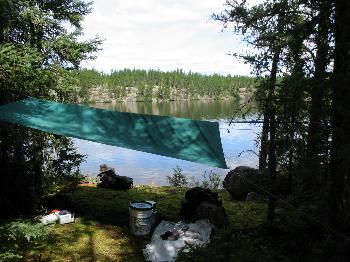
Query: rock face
[
  {"x": 242, "y": 180},
  {"x": 109, "y": 179},
  {"x": 203, "y": 203}
]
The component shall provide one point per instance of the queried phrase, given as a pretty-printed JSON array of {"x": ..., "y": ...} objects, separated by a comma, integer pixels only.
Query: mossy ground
[{"x": 101, "y": 231}]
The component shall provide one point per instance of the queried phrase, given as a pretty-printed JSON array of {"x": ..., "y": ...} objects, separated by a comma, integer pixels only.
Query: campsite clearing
[{"x": 101, "y": 231}]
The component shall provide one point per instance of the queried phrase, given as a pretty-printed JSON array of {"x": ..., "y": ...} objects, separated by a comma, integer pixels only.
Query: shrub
[
  {"x": 177, "y": 179},
  {"x": 16, "y": 237},
  {"x": 213, "y": 181},
  {"x": 210, "y": 180}
]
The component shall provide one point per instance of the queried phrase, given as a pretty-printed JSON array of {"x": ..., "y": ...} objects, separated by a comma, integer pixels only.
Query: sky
[{"x": 164, "y": 35}]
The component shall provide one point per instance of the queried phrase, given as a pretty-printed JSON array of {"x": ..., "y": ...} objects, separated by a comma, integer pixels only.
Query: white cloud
[{"x": 162, "y": 34}]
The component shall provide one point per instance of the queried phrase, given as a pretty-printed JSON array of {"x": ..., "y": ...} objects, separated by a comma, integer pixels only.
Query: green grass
[{"x": 101, "y": 231}]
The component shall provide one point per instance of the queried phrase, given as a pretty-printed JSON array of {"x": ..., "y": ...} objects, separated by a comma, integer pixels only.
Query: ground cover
[{"x": 101, "y": 231}]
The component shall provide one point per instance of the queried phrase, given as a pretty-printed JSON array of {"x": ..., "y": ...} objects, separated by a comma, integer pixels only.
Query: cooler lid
[{"x": 140, "y": 205}]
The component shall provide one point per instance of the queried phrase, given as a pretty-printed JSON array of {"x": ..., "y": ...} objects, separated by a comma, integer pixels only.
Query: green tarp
[{"x": 192, "y": 140}]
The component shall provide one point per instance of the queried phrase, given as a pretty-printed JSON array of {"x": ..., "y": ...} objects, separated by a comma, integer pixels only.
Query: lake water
[{"x": 238, "y": 141}]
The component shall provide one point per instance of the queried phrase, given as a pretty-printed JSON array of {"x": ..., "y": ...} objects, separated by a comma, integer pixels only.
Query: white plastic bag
[{"x": 194, "y": 234}]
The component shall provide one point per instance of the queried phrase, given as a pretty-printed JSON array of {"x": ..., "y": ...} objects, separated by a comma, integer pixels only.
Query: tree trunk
[
  {"x": 340, "y": 146},
  {"x": 316, "y": 134},
  {"x": 290, "y": 168},
  {"x": 264, "y": 140},
  {"x": 294, "y": 93},
  {"x": 272, "y": 128}
]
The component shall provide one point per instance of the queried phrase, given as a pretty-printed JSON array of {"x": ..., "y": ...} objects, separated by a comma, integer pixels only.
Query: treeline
[{"x": 147, "y": 85}]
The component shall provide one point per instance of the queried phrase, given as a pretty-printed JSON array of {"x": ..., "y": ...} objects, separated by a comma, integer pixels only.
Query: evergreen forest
[{"x": 148, "y": 85}]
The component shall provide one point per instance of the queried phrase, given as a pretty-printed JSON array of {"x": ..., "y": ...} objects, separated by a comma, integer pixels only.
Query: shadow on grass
[
  {"x": 109, "y": 206},
  {"x": 86, "y": 240},
  {"x": 101, "y": 232}
]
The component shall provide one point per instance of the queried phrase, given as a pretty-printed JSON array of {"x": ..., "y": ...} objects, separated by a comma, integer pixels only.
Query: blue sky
[{"x": 163, "y": 34}]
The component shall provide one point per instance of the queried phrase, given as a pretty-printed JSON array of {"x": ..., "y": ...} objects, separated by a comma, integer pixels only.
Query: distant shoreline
[
  {"x": 100, "y": 95},
  {"x": 155, "y": 86}
]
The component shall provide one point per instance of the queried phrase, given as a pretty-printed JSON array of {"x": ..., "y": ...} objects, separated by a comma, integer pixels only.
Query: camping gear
[
  {"x": 141, "y": 217},
  {"x": 56, "y": 215},
  {"x": 192, "y": 140},
  {"x": 66, "y": 218},
  {"x": 49, "y": 219},
  {"x": 63, "y": 212},
  {"x": 169, "y": 238}
]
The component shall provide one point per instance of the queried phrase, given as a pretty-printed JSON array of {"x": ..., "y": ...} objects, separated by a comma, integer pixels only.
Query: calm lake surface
[{"x": 238, "y": 140}]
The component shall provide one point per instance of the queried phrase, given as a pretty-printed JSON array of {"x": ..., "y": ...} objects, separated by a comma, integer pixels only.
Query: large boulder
[
  {"x": 202, "y": 203},
  {"x": 242, "y": 180},
  {"x": 109, "y": 179}
]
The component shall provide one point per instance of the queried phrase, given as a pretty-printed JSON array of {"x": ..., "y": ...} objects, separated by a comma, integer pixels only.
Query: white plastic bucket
[{"x": 141, "y": 213}]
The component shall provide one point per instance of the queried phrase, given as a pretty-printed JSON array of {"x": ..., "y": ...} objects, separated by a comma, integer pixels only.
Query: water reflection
[
  {"x": 145, "y": 168},
  {"x": 207, "y": 109}
]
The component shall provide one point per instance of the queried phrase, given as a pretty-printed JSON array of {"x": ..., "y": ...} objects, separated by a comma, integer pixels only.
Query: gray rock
[
  {"x": 242, "y": 180},
  {"x": 109, "y": 179},
  {"x": 216, "y": 214}
]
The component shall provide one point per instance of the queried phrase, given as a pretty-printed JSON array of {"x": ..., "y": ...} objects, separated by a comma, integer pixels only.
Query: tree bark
[
  {"x": 316, "y": 133},
  {"x": 340, "y": 146},
  {"x": 264, "y": 140},
  {"x": 272, "y": 130}
]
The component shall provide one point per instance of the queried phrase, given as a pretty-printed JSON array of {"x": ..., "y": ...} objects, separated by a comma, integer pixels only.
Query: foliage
[
  {"x": 178, "y": 179},
  {"x": 209, "y": 180},
  {"x": 152, "y": 84},
  {"x": 37, "y": 55},
  {"x": 62, "y": 163},
  {"x": 16, "y": 237},
  {"x": 301, "y": 54}
]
